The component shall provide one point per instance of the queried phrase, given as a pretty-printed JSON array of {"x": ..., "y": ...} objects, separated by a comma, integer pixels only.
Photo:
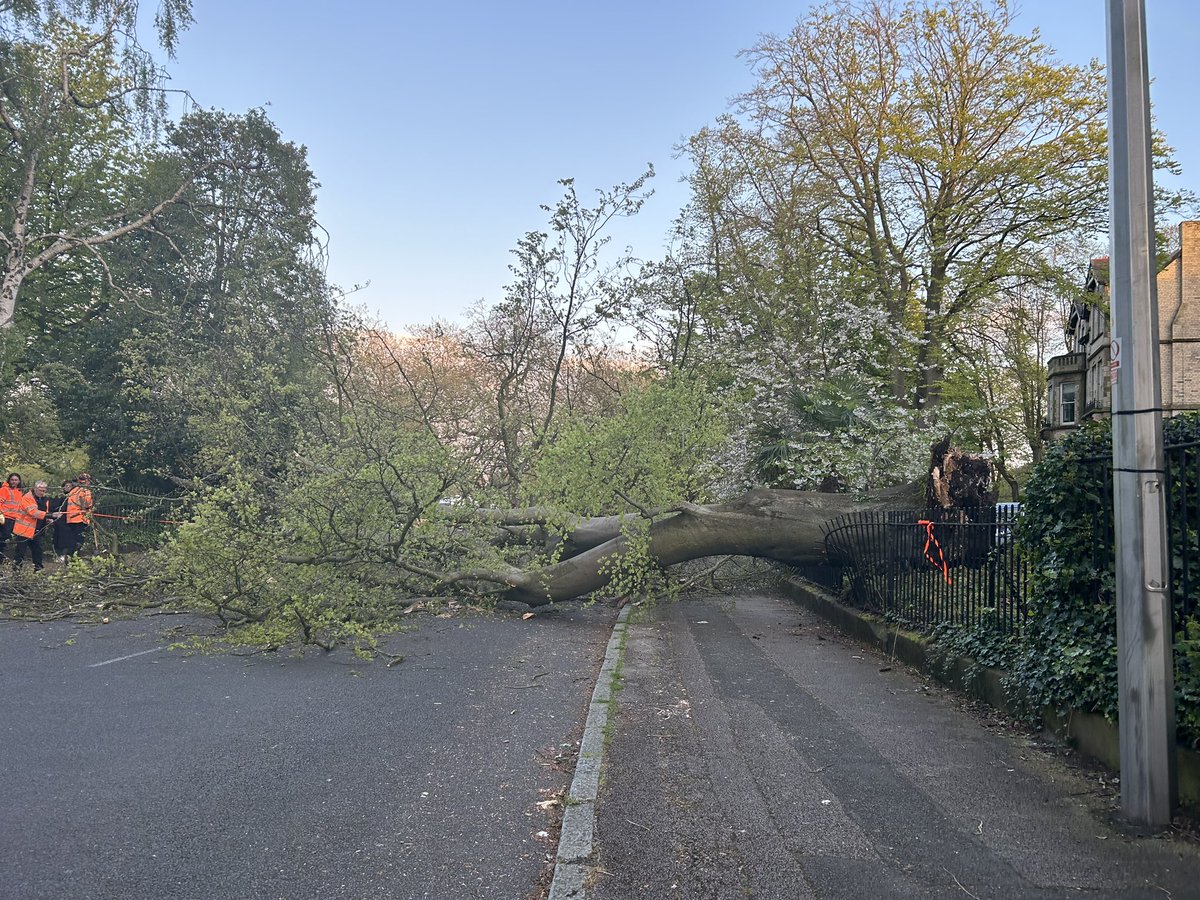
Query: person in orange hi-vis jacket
[
  {"x": 10, "y": 501},
  {"x": 79, "y": 511},
  {"x": 28, "y": 524}
]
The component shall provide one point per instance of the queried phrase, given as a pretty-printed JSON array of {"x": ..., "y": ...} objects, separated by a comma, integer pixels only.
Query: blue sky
[{"x": 436, "y": 130}]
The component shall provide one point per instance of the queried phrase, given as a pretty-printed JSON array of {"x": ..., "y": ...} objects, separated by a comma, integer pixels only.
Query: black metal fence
[
  {"x": 126, "y": 519},
  {"x": 925, "y": 567},
  {"x": 1183, "y": 514},
  {"x": 1183, "y": 525}
]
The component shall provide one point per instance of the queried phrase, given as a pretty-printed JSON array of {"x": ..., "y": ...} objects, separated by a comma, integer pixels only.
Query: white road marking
[{"x": 123, "y": 658}]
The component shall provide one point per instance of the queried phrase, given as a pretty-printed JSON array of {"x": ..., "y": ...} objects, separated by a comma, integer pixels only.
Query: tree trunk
[
  {"x": 786, "y": 526},
  {"x": 10, "y": 285},
  {"x": 781, "y": 525}
]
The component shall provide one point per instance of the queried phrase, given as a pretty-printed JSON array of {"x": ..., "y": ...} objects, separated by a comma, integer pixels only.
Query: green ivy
[
  {"x": 987, "y": 644},
  {"x": 1066, "y": 657},
  {"x": 1187, "y": 683}
]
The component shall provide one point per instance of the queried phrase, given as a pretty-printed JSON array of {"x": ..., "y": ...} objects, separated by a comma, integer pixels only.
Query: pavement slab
[{"x": 754, "y": 752}]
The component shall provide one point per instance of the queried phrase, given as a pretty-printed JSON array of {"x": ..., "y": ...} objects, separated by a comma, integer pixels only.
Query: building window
[{"x": 1067, "y": 403}]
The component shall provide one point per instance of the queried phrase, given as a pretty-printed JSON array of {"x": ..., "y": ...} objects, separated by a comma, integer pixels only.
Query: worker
[
  {"x": 79, "y": 510},
  {"x": 28, "y": 525},
  {"x": 62, "y": 528},
  {"x": 10, "y": 502}
]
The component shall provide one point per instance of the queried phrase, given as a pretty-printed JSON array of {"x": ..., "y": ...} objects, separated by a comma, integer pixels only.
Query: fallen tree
[
  {"x": 347, "y": 565},
  {"x": 780, "y": 525}
]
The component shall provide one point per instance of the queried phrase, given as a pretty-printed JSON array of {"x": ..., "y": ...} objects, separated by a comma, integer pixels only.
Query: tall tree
[
  {"x": 952, "y": 147},
  {"x": 782, "y": 320},
  {"x": 995, "y": 386},
  {"x": 201, "y": 347},
  {"x": 76, "y": 92},
  {"x": 230, "y": 347},
  {"x": 119, "y": 16}
]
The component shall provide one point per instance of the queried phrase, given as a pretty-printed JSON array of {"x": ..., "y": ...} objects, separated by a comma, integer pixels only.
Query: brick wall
[
  {"x": 1179, "y": 322},
  {"x": 1168, "y": 306}
]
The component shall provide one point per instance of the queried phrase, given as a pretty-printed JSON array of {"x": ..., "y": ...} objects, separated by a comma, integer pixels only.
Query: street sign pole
[{"x": 1144, "y": 625}]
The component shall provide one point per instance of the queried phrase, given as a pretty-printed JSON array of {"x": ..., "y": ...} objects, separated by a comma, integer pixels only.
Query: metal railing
[
  {"x": 124, "y": 519},
  {"x": 1183, "y": 533},
  {"x": 926, "y": 567}
]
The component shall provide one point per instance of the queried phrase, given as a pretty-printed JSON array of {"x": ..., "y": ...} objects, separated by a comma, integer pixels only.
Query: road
[
  {"x": 131, "y": 770},
  {"x": 756, "y": 752}
]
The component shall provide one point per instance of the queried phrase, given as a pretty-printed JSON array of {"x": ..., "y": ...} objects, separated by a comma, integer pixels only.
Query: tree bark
[{"x": 786, "y": 526}]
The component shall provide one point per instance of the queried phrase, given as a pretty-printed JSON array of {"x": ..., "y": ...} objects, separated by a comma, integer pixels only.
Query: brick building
[{"x": 1079, "y": 382}]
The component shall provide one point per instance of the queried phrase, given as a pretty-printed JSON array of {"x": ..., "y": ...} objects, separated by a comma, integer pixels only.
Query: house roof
[{"x": 1097, "y": 274}]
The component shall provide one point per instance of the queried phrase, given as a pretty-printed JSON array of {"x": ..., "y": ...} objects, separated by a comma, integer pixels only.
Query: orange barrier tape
[{"x": 940, "y": 562}]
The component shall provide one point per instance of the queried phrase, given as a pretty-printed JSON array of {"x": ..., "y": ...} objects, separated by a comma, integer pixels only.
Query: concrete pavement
[{"x": 754, "y": 752}]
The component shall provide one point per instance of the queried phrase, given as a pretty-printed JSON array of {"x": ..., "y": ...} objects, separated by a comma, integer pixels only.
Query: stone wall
[{"x": 1179, "y": 322}]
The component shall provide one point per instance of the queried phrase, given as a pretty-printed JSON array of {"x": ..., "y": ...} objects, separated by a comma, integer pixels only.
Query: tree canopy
[
  {"x": 78, "y": 97},
  {"x": 878, "y": 241}
]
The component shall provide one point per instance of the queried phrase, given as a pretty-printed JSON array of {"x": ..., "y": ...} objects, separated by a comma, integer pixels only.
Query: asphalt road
[
  {"x": 130, "y": 770},
  {"x": 756, "y": 752}
]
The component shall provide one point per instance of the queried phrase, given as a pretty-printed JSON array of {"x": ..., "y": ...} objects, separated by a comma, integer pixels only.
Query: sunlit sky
[{"x": 436, "y": 130}]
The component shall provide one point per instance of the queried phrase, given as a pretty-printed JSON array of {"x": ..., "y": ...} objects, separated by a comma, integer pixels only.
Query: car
[{"x": 1006, "y": 519}]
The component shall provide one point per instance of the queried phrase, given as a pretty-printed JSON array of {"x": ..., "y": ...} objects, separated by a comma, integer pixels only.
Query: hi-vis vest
[
  {"x": 79, "y": 505},
  {"x": 10, "y": 501},
  {"x": 25, "y": 520}
]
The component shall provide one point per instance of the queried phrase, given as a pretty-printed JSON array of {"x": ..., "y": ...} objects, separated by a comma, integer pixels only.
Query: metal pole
[{"x": 1144, "y": 627}]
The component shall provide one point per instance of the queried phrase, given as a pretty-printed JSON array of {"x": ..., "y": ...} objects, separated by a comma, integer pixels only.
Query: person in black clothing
[{"x": 64, "y": 539}]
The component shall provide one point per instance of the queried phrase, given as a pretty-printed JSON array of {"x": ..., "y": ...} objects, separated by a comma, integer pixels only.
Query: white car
[{"x": 1006, "y": 518}]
